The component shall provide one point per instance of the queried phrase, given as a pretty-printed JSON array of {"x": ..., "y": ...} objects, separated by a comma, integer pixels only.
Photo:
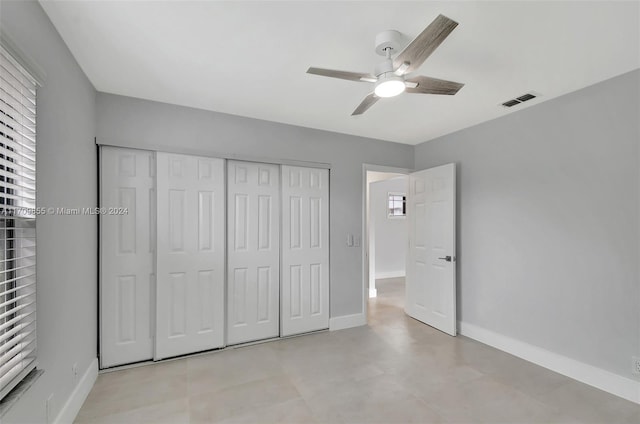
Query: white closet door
[
  {"x": 190, "y": 259},
  {"x": 253, "y": 251},
  {"x": 127, "y": 242},
  {"x": 305, "y": 249}
]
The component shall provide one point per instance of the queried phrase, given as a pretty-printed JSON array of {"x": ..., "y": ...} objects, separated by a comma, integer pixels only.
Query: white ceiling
[{"x": 250, "y": 58}]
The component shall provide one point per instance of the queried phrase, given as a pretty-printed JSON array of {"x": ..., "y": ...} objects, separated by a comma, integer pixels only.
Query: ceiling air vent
[
  {"x": 518, "y": 100},
  {"x": 511, "y": 103},
  {"x": 526, "y": 97}
]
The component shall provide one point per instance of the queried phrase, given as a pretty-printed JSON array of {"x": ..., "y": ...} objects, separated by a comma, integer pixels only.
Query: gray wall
[
  {"x": 144, "y": 124},
  {"x": 548, "y": 223},
  {"x": 66, "y": 176},
  {"x": 389, "y": 234},
  {"x": 548, "y": 208}
]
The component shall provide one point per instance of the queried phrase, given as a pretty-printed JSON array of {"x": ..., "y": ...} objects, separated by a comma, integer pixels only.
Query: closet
[
  {"x": 190, "y": 254},
  {"x": 198, "y": 253},
  {"x": 127, "y": 256},
  {"x": 253, "y": 191},
  {"x": 305, "y": 252}
]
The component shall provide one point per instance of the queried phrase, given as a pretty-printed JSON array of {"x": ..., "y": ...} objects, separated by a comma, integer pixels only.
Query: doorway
[
  {"x": 427, "y": 204},
  {"x": 385, "y": 230}
]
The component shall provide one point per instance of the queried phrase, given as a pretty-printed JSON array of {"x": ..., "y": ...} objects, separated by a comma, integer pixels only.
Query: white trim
[
  {"x": 73, "y": 404},
  {"x": 390, "y": 274},
  {"x": 347, "y": 321},
  {"x": 373, "y": 292},
  {"x": 615, "y": 384}
]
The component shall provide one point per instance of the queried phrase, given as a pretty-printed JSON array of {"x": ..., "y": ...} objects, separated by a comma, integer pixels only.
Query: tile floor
[{"x": 395, "y": 370}]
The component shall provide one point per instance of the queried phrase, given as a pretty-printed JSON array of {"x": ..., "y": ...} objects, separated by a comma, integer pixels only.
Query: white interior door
[
  {"x": 191, "y": 254},
  {"x": 305, "y": 250},
  {"x": 127, "y": 243},
  {"x": 431, "y": 270},
  {"x": 253, "y": 274}
]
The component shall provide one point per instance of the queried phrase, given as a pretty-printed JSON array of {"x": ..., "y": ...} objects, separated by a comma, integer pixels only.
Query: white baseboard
[
  {"x": 373, "y": 292},
  {"x": 347, "y": 321},
  {"x": 597, "y": 377},
  {"x": 390, "y": 274},
  {"x": 73, "y": 404}
]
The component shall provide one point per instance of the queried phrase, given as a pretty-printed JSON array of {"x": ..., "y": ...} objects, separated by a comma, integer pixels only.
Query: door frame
[{"x": 365, "y": 235}]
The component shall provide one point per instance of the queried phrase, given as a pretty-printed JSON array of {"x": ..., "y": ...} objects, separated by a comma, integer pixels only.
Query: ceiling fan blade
[
  {"x": 366, "y": 104},
  {"x": 428, "y": 85},
  {"x": 351, "y": 76},
  {"x": 424, "y": 44}
]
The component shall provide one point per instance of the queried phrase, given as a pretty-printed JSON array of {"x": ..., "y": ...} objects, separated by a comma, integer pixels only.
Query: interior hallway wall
[
  {"x": 549, "y": 224},
  {"x": 67, "y": 245},
  {"x": 389, "y": 234},
  {"x": 144, "y": 124}
]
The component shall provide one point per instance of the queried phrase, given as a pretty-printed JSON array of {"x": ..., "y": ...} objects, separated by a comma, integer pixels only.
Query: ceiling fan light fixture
[{"x": 389, "y": 85}]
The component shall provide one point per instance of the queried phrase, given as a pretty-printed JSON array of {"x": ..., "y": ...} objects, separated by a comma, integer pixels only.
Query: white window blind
[{"x": 17, "y": 223}]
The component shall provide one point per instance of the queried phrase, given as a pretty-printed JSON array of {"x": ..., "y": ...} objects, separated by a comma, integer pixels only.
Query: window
[
  {"x": 17, "y": 222},
  {"x": 397, "y": 204}
]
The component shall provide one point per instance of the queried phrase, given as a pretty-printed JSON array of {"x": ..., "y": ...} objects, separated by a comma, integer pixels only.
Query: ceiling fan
[{"x": 390, "y": 76}]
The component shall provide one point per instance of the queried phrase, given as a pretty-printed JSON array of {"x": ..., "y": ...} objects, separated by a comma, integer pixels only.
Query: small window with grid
[{"x": 397, "y": 205}]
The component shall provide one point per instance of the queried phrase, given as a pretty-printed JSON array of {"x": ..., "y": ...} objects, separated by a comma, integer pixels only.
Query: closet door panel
[
  {"x": 305, "y": 250},
  {"x": 127, "y": 243},
  {"x": 191, "y": 256},
  {"x": 253, "y": 200}
]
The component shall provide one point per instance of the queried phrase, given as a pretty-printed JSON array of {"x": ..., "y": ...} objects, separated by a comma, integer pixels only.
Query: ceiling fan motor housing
[{"x": 383, "y": 67}]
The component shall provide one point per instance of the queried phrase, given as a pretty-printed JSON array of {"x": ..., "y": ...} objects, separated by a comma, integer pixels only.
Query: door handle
[{"x": 447, "y": 258}]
